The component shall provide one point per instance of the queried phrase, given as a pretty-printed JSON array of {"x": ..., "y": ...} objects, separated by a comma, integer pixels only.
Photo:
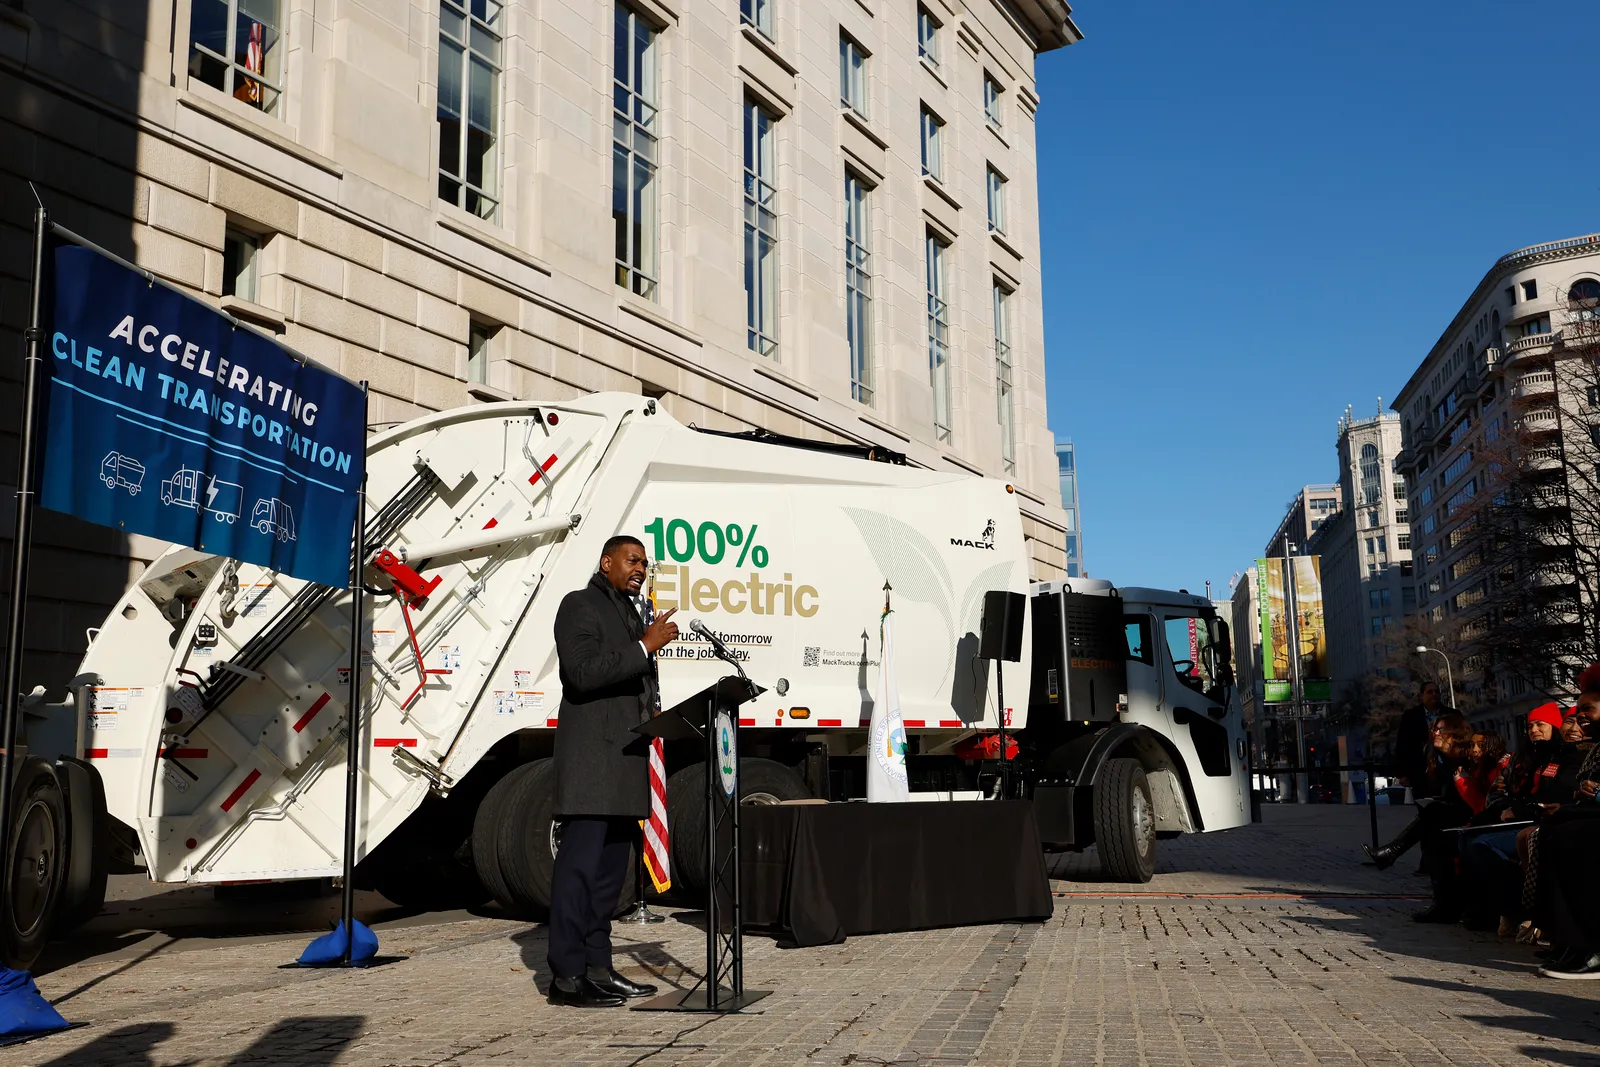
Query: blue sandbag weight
[
  {"x": 23, "y": 1009},
  {"x": 329, "y": 948}
]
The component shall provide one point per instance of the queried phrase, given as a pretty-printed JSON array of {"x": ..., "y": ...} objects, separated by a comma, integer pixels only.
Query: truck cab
[{"x": 1134, "y": 722}]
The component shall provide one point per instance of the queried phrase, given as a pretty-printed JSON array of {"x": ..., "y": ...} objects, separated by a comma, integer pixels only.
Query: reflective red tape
[
  {"x": 394, "y": 742},
  {"x": 914, "y": 723},
  {"x": 243, "y": 788},
  {"x": 747, "y": 722},
  {"x": 830, "y": 722},
  {"x": 311, "y": 713},
  {"x": 96, "y": 753},
  {"x": 951, "y": 723}
]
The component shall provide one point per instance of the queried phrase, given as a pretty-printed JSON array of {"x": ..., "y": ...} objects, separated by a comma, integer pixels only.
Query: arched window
[
  {"x": 1371, "y": 475},
  {"x": 1494, "y": 326},
  {"x": 1585, "y": 293}
]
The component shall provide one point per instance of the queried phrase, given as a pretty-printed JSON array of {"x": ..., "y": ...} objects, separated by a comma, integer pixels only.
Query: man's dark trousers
[{"x": 591, "y": 866}]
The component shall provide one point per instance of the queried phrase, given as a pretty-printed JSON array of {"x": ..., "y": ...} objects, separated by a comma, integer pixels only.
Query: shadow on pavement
[
  {"x": 128, "y": 1047},
  {"x": 311, "y": 1041},
  {"x": 650, "y": 960},
  {"x": 1552, "y": 1015}
]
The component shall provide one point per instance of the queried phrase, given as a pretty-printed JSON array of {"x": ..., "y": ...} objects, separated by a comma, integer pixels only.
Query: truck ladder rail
[{"x": 381, "y": 529}]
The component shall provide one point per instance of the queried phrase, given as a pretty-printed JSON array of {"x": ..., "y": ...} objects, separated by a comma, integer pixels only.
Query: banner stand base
[{"x": 696, "y": 1000}]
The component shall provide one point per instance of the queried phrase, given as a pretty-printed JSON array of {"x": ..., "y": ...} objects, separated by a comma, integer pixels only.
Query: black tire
[
  {"x": 485, "y": 838},
  {"x": 83, "y": 888},
  {"x": 436, "y": 884},
  {"x": 528, "y": 840},
  {"x": 1124, "y": 822},
  {"x": 38, "y": 849},
  {"x": 761, "y": 781}
]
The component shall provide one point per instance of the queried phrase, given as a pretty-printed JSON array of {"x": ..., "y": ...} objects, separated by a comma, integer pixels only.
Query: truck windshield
[{"x": 1188, "y": 639}]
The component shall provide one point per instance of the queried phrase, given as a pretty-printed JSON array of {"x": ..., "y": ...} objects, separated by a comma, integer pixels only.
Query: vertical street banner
[
  {"x": 165, "y": 419},
  {"x": 1274, "y": 632},
  {"x": 1313, "y": 627}
]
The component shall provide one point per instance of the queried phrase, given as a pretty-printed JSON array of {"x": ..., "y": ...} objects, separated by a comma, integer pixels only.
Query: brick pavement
[{"x": 1265, "y": 945}]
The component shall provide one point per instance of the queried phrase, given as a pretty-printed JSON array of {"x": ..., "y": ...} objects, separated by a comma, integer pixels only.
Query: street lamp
[{"x": 1448, "y": 681}]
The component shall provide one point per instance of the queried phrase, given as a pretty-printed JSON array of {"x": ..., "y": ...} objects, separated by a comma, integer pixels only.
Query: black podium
[{"x": 712, "y": 715}]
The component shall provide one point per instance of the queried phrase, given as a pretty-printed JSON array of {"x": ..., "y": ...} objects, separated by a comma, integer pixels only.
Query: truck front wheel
[
  {"x": 1124, "y": 822},
  {"x": 38, "y": 847}
]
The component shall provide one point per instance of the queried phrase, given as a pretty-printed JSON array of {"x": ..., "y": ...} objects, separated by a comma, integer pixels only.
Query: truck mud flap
[{"x": 1052, "y": 808}]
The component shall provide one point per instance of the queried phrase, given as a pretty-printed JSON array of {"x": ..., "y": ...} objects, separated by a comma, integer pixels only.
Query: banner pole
[
  {"x": 21, "y": 549},
  {"x": 352, "y": 711}
]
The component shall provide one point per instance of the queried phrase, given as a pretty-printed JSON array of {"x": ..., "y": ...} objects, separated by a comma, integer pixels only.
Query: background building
[
  {"x": 1366, "y": 556},
  {"x": 1500, "y": 450},
  {"x": 1067, "y": 464},
  {"x": 816, "y": 218},
  {"x": 1312, "y": 506}
]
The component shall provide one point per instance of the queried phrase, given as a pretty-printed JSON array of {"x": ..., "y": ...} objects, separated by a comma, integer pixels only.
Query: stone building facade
[{"x": 818, "y": 218}]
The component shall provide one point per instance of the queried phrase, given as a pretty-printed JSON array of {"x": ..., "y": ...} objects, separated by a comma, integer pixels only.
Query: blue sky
[{"x": 1256, "y": 213}]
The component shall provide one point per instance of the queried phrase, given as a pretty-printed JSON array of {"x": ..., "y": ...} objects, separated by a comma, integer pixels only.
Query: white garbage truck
[{"x": 203, "y": 738}]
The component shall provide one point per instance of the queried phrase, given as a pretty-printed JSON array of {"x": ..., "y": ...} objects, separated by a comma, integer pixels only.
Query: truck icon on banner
[
  {"x": 274, "y": 518},
  {"x": 117, "y": 469},
  {"x": 220, "y": 498}
]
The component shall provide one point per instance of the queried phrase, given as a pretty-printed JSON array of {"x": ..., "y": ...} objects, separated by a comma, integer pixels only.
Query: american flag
[
  {"x": 656, "y": 851},
  {"x": 254, "y": 61}
]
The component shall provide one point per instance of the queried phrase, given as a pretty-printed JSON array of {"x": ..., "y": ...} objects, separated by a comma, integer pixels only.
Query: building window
[
  {"x": 852, "y": 76},
  {"x": 240, "y": 251},
  {"x": 634, "y": 155},
  {"x": 858, "y": 286},
  {"x": 469, "y": 105},
  {"x": 478, "y": 338},
  {"x": 930, "y": 144},
  {"x": 1399, "y": 489},
  {"x": 1530, "y": 290},
  {"x": 997, "y": 202},
  {"x": 234, "y": 47},
  {"x": 760, "y": 232},
  {"x": 991, "y": 102},
  {"x": 1006, "y": 405},
  {"x": 927, "y": 37},
  {"x": 1403, "y": 517},
  {"x": 1371, "y": 474},
  {"x": 757, "y": 13},
  {"x": 938, "y": 336}
]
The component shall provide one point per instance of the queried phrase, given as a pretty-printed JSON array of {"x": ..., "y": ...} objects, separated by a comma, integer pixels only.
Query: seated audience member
[
  {"x": 1564, "y": 858},
  {"x": 1451, "y": 741},
  {"x": 1542, "y": 776}
]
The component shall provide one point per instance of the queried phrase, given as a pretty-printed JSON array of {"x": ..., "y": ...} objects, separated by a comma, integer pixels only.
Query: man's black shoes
[
  {"x": 613, "y": 983},
  {"x": 582, "y": 993}
]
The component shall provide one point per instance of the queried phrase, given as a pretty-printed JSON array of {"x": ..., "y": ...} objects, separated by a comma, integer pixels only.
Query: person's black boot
[
  {"x": 1384, "y": 857},
  {"x": 1446, "y": 906}
]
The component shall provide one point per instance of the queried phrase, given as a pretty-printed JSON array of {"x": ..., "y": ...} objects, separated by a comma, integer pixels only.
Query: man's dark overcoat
[{"x": 607, "y": 688}]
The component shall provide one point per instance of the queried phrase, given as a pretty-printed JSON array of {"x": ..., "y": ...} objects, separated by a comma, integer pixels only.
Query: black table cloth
[{"x": 820, "y": 872}]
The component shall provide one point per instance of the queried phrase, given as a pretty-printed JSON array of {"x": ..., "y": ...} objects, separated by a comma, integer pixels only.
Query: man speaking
[{"x": 602, "y": 769}]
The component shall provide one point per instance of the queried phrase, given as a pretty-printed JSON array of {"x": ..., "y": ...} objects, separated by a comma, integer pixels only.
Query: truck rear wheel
[
  {"x": 89, "y": 845},
  {"x": 38, "y": 848},
  {"x": 486, "y": 837},
  {"x": 1124, "y": 822},
  {"x": 529, "y": 838},
  {"x": 761, "y": 781}
]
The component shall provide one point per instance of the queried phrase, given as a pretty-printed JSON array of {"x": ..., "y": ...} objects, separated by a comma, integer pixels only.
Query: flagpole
[
  {"x": 352, "y": 708},
  {"x": 21, "y": 550}
]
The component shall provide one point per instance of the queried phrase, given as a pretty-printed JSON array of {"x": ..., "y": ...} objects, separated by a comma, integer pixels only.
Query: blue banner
[{"x": 168, "y": 421}]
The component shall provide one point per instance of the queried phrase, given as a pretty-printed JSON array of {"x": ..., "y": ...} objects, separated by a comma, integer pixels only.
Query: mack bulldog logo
[{"x": 985, "y": 540}]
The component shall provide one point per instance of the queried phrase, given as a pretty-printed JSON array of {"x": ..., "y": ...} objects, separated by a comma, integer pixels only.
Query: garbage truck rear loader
[{"x": 210, "y": 705}]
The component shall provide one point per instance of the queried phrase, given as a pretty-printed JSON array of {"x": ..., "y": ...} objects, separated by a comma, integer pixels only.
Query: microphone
[{"x": 722, "y": 650}]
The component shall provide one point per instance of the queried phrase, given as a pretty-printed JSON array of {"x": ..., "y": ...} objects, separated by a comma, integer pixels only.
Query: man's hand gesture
[{"x": 661, "y": 631}]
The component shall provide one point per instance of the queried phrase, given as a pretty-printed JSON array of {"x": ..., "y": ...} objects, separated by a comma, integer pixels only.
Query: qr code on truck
[{"x": 813, "y": 656}]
